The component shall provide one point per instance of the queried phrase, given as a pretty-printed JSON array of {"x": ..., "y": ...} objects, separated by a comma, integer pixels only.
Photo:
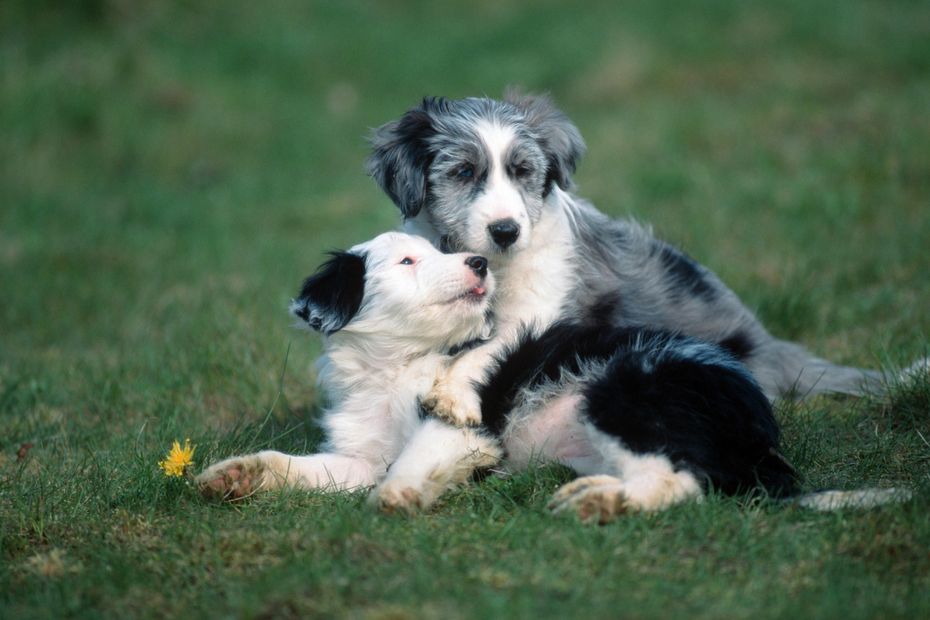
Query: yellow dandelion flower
[{"x": 178, "y": 458}]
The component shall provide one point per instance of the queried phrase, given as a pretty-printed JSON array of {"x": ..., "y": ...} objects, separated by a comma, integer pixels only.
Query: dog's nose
[
  {"x": 478, "y": 264},
  {"x": 504, "y": 232}
]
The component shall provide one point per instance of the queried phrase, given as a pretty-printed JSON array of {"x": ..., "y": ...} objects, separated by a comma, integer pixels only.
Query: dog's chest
[
  {"x": 378, "y": 416},
  {"x": 410, "y": 384},
  {"x": 534, "y": 284}
]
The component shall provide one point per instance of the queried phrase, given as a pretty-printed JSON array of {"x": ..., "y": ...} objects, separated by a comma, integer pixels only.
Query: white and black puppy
[
  {"x": 494, "y": 178},
  {"x": 649, "y": 419},
  {"x": 389, "y": 310}
]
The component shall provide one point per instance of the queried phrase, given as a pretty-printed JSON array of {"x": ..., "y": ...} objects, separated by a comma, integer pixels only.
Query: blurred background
[{"x": 171, "y": 170}]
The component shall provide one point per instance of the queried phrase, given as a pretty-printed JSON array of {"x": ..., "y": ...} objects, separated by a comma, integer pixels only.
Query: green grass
[{"x": 171, "y": 170}]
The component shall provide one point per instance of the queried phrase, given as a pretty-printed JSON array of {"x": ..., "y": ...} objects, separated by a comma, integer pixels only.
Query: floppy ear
[
  {"x": 401, "y": 157},
  {"x": 331, "y": 297},
  {"x": 559, "y": 138}
]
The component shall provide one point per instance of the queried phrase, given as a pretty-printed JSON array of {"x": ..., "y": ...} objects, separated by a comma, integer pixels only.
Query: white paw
[
  {"x": 398, "y": 496},
  {"x": 452, "y": 403},
  {"x": 594, "y": 499},
  {"x": 234, "y": 478}
]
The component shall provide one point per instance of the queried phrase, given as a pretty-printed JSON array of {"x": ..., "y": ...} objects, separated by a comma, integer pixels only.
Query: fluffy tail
[
  {"x": 826, "y": 501},
  {"x": 918, "y": 371},
  {"x": 784, "y": 368}
]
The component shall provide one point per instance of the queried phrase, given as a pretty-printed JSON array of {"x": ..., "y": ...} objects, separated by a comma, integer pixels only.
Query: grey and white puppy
[{"x": 494, "y": 178}]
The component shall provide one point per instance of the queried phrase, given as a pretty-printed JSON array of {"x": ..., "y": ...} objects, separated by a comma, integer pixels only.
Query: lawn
[{"x": 170, "y": 171}]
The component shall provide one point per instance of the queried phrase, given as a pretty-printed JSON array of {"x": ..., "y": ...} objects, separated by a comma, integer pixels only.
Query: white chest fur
[
  {"x": 377, "y": 414},
  {"x": 533, "y": 283}
]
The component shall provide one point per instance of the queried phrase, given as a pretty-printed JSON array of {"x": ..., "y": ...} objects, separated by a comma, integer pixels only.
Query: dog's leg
[
  {"x": 242, "y": 476},
  {"x": 602, "y": 498},
  {"x": 453, "y": 397},
  {"x": 437, "y": 458},
  {"x": 627, "y": 482}
]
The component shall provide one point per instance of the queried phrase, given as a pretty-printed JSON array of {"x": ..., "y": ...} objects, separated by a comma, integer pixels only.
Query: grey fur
[{"x": 625, "y": 274}]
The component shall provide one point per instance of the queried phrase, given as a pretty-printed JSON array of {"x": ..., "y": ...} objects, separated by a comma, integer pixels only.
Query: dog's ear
[
  {"x": 401, "y": 157},
  {"x": 332, "y": 296},
  {"x": 559, "y": 138}
]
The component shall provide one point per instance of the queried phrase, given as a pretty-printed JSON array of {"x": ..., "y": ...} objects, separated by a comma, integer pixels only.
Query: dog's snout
[
  {"x": 478, "y": 264},
  {"x": 504, "y": 232}
]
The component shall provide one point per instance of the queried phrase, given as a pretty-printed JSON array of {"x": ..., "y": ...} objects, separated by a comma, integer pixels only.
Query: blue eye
[
  {"x": 407, "y": 261},
  {"x": 466, "y": 172}
]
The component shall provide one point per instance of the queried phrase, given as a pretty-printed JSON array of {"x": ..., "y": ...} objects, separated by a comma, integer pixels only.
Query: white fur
[
  {"x": 500, "y": 200},
  {"x": 533, "y": 284},
  {"x": 437, "y": 458}
]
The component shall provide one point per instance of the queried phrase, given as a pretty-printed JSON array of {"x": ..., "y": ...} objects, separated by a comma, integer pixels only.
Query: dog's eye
[
  {"x": 407, "y": 261},
  {"x": 521, "y": 170},
  {"x": 466, "y": 172}
]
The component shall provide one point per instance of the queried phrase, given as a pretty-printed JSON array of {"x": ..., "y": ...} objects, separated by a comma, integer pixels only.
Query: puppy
[
  {"x": 389, "y": 311},
  {"x": 648, "y": 419},
  {"x": 495, "y": 178}
]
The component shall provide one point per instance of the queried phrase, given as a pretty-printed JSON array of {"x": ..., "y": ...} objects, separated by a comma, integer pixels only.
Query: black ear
[
  {"x": 559, "y": 138},
  {"x": 331, "y": 297},
  {"x": 401, "y": 157}
]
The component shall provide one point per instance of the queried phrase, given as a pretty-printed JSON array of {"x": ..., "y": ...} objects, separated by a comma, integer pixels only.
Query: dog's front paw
[
  {"x": 397, "y": 496},
  {"x": 594, "y": 499},
  {"x": 233, "y": 479},
  {"x": 458, "y": 406}
]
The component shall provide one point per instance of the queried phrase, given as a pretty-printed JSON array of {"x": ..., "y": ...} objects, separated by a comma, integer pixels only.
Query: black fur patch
[
  {"x": 604, "y": 310},
  {"x": 739, "y": 345},
  {"x": 422, "y": 413},
  {"x": 331, "y": 297},
  {"x": 555, "y": 175},
  {"x": 711, "y": 419},
  {"x": 465, "y": 346},
  {"x": 401, "y": 157},
  {"x": 445, "y": 245},
  {"x": 686, "y": 273}
]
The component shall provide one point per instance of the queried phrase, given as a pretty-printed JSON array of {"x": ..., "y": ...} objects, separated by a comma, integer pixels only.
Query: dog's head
[
  {"x": 476, "y": 171},
  {"x": 399, "y": 287}
]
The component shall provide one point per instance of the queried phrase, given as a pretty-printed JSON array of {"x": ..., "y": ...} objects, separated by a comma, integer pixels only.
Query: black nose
[
  {"x": 504, "y": 232},
  {"x": 478, "y": 264}
]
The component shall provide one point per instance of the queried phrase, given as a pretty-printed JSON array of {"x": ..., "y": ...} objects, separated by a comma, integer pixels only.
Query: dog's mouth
[{"x": 474, "y": 295}]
